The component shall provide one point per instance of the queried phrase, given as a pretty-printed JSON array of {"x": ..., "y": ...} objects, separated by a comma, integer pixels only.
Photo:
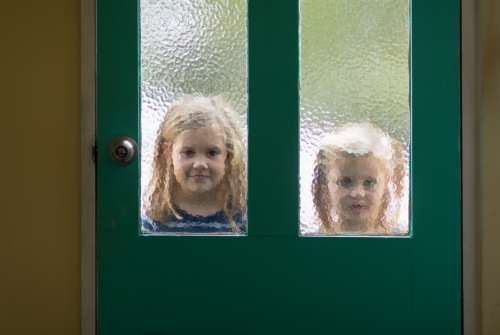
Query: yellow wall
[
  {"x": 40, "y": 167},
  {"x": 490, "y": 100}
]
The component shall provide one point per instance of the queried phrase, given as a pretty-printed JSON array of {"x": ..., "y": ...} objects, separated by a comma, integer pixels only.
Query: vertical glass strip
[
  {"x": 193, "y": 68},
  {"x": 354, "y": 117}
]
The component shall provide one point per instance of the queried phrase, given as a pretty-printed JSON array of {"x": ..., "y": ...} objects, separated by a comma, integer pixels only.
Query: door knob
[{"x": 122, "y": 149}]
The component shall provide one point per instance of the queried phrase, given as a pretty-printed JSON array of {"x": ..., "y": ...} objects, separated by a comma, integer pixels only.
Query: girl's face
[
  {"x": 199, "y": 156},
  {"x": 357, "y": 187}
]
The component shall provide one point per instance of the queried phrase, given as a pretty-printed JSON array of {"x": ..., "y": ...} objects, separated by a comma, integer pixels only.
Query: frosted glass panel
[
  {"x": 354, "y": 117},
  {"x": 193, "y": 116}
]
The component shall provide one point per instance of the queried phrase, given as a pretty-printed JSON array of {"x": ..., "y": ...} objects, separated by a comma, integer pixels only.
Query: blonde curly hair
[
  {"x": 358, "y": 140},
  {"x": 193, "y": 112}
]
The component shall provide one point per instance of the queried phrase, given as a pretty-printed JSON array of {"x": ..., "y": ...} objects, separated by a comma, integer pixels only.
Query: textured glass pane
[
  {"x": 193, "y": 116},
  {"x": 355, "y": 116}
]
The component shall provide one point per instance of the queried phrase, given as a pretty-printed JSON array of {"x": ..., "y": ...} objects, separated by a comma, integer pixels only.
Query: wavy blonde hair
[
  {"x": 193, "y": 112},
  {"x": 358, "y": 140}
]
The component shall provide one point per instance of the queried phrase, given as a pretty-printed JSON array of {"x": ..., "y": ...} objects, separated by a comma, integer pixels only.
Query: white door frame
[{"x": 470, "y": 169}]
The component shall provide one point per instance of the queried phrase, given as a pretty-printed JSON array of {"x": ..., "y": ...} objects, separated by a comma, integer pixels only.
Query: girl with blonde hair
[
  {"x": 199, "y": 171},
  {"x": 358, "y": 181}
]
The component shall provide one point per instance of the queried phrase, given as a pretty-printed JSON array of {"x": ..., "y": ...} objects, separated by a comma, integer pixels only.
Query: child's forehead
[
  {"x": 359, "y": 164},
  {"x": 207, "y": 122},
  {"x": 201, "y": 134}
]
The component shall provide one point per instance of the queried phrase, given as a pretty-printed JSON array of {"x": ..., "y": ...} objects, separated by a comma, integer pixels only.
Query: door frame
[
  {"x": 88, "y": 174},
  {"x": 471, "y": 290},
  {"x": 470, "y": 167}
]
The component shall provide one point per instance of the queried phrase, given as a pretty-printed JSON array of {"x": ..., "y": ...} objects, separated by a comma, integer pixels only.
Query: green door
[{"x": 273, "y": 281}]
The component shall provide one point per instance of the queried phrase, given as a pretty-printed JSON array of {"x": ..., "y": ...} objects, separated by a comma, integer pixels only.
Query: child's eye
[
  {"x": 368, "y": 183},
  {"x": 345, "y": 182},
  {"x": 188, "y": 152},
  {"x": 213, "y": 152}
]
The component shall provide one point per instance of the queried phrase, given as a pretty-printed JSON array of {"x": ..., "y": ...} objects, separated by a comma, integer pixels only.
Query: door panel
[
  {"x": 436, "y": 172},
  {"x": 273, "y": 281}
]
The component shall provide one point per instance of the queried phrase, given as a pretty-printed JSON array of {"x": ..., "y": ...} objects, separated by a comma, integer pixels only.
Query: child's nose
[
  {"x": 358, "y": 191},
  {"x": 200, "y": 163}
]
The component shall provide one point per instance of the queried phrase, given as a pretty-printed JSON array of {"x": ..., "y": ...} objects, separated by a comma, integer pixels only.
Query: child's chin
[
  {"x": 361, "y": 217},
  {"x": 353, "y": 215},
  {"x": 201, "y": 190}
]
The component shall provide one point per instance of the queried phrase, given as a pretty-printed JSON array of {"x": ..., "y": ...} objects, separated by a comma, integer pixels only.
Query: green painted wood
[
  {"x": 273, "y": 147},
  {"x": 436, "y": 181},
  {"x": 272, "y": 281}
]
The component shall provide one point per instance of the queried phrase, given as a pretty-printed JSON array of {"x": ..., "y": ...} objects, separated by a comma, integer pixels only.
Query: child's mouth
[
  {"x": 200, "y": 177},
  {"x": 357, "y": 208}
]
